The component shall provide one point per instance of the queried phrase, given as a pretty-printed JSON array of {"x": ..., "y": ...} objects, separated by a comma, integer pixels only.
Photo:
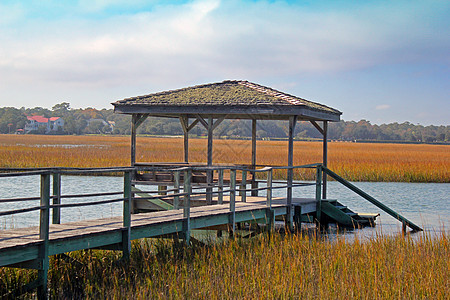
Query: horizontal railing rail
[
  {"x": 90, "y": 203},
  {"x": 90, "y": 195},
  {"x": 22, "y": 210},
  {"x": 6, "y": 200}
]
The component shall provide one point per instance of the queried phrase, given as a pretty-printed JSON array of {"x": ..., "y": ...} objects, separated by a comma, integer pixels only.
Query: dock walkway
[{"x": 23, "y": 244}]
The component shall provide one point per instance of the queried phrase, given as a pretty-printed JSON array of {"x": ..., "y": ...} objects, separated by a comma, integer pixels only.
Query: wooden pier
[{"x": 187, "y": 209}]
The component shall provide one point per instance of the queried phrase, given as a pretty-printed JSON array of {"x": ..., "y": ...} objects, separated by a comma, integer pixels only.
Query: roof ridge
[
  {"x": 182, "y": 89},
  {"x": 272, "y": 92}
]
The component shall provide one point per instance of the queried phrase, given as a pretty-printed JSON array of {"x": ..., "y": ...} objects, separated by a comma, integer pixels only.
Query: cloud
[
  {"x": 174, "y": 45},
  {"x": 382, "y": 107}
]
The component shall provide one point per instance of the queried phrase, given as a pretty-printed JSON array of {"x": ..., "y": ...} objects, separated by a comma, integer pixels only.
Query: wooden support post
[
  {"x": 298, "y": 218},
  {"x": 269, "y": 188},
  {"x": 44, "y": 227},
  {"x": 186, "y": 128},
  {"x": 220, "y": 187},
  {"x": 176, "y": 186},
  {"x": 134, "y": 119},
  {"x": 270, "y": 213},
  {"x": 186, "y": 147},
  {"x": 126, "y": 233},
  {"x": 210, "y": 141},
  {"x": 325, "y": 158},
  {"x": 254, "y": 182},
  {"x": 187, "y": 205},
  {"x": 319, "y": 194},
  {"x": 232, "y": 201},
  {"x": 290, "y": 174},
  {"x": 185, "y": 124},
  {"x": 209, "y": 173},
  {"x": 56, "y": 215},
  {"x": 243, "y": 187}
]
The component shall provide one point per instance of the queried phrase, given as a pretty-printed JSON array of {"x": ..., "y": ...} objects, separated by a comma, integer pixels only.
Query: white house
[{"x": 52, "y": 124}]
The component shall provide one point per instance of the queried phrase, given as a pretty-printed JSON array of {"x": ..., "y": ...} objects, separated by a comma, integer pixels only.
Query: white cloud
[
  {"x": 175, "y": 45},
  {"x": 382, "y": 107},
  {"x": 257, "y": 38}
]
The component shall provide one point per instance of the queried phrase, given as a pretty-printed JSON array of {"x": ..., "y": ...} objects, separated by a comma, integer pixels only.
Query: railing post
[
  {"x": 209, "y": 186},
  {"x": 243, "y": 192},
  {"x": 289, "y": 217},
  {"x": 187, "y": 205},
  {"x": 269, "y": 188},
  {"x": 270, "y": 214},
  {"x": 126, "y": 233},
  {"x": 56, "y": 215},
  {"x": 176, "y": 186},
  {"x": 232, "y": 201},
  {"x": 220, "y": 187},
  {"x": 319, "y": 193},
  {"x": 44, "y": 228},
  {"x": 162, "y": 190},
  {"x": 254, "y": 185}
]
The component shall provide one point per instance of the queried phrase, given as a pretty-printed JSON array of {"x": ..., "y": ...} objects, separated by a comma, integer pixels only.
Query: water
[
  {"x": 425, "y": 204},
  {"x": 29, "y": 186}
]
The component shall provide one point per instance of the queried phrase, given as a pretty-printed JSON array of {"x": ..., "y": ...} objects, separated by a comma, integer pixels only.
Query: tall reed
[{"x": 294, "y": 266}]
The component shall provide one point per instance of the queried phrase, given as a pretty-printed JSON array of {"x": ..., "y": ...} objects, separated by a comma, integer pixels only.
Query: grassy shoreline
[
  {"x": 353, "y": 161},
  {"x": 292, "y": 266}
]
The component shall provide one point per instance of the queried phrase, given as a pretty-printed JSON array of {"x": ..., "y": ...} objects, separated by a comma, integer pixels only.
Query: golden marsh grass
[
  {"x": 354, "y": 161},
  {"x": 293, "y": 266}
]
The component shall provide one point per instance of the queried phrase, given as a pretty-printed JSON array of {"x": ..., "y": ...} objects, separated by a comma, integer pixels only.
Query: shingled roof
[{"x": 230, "y": 97}]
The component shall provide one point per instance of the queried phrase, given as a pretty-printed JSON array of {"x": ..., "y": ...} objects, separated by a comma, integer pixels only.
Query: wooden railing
[{"x": 182, "y": 189}]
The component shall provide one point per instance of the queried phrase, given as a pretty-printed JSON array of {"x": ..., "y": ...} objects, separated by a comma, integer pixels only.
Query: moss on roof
[{"x": 229, "y": 93}]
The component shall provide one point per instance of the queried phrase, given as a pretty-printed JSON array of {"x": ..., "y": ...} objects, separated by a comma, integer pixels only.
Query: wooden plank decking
[{"x": 22, "y": 244}]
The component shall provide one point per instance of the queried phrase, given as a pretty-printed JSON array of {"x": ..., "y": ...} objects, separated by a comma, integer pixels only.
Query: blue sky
[{"x": 383, "y": 61}]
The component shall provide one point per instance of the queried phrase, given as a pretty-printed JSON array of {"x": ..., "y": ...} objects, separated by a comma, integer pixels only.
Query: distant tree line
[{"x": 89, "y": 120}]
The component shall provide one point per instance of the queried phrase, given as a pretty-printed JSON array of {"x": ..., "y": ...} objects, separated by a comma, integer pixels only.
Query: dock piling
[
  {"x": 56, "y": 213},
  {"x": 187, "y": 205},
  {"x": 126, "y": 233},
  {"x": 232, "y": 201},
  {"x": 44, "y": 228}
]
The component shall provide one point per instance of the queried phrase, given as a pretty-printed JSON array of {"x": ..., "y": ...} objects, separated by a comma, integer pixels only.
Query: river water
[{"x": 425, "y": 204}]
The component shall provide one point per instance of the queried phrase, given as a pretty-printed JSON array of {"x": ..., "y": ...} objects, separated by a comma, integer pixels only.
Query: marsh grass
[
  {"x": 353, "y": 161},
  {"x": 291, "y": 266}
]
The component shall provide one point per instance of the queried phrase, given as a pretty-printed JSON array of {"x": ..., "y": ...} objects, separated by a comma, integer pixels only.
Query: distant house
[{"x": 50, "y": 125}]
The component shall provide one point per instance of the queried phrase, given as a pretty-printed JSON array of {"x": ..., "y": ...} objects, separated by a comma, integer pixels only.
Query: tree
[
  {"x": 61, "y": 108},
  {"x": 95, "y": 126}
]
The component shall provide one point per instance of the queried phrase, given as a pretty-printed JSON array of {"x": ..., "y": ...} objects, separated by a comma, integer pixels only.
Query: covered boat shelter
[{"x": 209, "y": 104}]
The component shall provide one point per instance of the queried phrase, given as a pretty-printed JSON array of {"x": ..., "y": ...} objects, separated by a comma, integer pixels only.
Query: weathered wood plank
[{"x": 16, "y": 245}]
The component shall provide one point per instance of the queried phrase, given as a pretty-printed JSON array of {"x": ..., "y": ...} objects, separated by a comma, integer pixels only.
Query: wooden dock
[
  {"x": 108, "y": 232},
  {"x": 181, "y": 209}
]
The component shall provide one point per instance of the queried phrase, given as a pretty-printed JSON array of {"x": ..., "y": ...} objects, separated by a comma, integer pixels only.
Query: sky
[{"x": 382, "y": 61}]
